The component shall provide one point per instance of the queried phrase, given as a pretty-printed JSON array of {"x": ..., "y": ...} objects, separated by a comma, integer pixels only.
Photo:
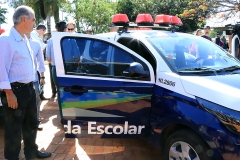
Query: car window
[
  {"x": 138, "y": 47},
  {"x": 186, "y": 53},
  {"x": 102, "y": 59},
  {"x": 71, "y": 54},
  {"x": 98, "y": 51},
  {"x": 121, "y": 56}
]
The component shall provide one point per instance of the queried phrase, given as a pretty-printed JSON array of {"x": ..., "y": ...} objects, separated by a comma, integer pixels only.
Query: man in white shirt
[
  {"x": 39, "y": 68},
  {"x": 18, "y": 98},
  {"x": 38, "y": 35}
]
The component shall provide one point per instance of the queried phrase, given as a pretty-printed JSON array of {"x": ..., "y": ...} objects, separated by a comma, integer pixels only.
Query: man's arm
[
  {"x": 42, "y": 78},
  {"x": 40, "y": 65},
  {"x": 5, "y": 63}
]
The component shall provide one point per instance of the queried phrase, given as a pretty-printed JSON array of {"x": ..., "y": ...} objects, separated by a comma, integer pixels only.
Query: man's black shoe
[
  {"x": 44, "y": 98},
  {"x": 43, "y": 154},
  {"x": 40, "y": 127}
]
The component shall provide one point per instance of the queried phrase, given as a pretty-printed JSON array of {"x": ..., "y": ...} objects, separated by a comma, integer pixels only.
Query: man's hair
[
  {"x": 198, "y": 30},
  {"x": 22, "y": 11},
  {"x": 60, "y": 26},
  {"x": 41, "y": 26},
  {"x": 90, "y": 30},
  {"x": 207, "y": 27},
  {"x": 74, "y": 25}
]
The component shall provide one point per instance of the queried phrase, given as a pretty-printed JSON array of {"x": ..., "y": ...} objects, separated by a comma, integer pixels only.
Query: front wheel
[{"x": 186, "y": 145}]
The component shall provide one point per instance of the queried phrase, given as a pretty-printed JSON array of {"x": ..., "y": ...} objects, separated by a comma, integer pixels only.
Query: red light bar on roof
[
  {"x": 166, "y": 19},
  {"x": 120, "y": 19},
  {"x": 144, "y": 19},
  {"x": 2, "y": 31},
  {"x": 180, "y": 22},
  {"x": 162, "y": 19},
  {"x": 176, "y": 20}
]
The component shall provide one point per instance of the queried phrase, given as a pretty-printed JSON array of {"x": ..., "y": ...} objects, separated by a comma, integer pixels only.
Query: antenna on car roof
[{"x": 145, "y": 21}]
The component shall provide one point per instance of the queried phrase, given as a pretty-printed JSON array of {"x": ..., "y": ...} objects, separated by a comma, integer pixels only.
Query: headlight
[{"x": 230, "y": 118}]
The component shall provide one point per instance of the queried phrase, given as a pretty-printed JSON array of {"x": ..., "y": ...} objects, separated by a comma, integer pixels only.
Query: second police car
[{"x": 178, "y": 91}]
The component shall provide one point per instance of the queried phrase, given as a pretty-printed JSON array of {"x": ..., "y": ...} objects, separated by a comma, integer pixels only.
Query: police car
[{"x": 176, "y": 90}]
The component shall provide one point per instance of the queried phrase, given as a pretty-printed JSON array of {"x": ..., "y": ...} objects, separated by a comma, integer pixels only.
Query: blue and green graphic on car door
[{"x": 98, "y": 99}]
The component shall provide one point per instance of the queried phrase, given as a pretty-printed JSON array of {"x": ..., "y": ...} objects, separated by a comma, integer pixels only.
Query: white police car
[{"x": 177, "y": 90}]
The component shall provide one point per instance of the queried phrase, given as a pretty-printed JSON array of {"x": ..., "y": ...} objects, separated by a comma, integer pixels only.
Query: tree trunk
[
  {"x": 77, "y": 26},
  {"x": 49, "y": 35},
  {"x": 49, "y": 24}
]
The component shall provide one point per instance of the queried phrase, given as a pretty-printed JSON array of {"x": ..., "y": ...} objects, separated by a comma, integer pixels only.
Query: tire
[{"x": 185, "y": 140}]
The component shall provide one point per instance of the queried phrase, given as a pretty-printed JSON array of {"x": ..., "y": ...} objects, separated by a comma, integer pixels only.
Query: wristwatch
[{"x": 42, "y": 77}]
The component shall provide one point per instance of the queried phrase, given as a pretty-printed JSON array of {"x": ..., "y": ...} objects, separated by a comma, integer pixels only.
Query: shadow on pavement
[{"x": 52, "y": 139}]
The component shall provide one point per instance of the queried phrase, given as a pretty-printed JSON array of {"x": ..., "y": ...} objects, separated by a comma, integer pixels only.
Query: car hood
[{"x": 223, "y": 90}]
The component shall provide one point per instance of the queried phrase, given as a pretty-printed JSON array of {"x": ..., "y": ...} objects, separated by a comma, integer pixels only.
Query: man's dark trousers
[
  {"x": 54, "y": 90},
  {"x": 21, "y": 121}
]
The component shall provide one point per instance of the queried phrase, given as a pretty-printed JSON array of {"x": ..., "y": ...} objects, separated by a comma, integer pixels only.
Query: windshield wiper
[
  {"x": 196, "y": 69},
  {"x": 232, "y": 68},
  {"x": 199, "y": 70}
]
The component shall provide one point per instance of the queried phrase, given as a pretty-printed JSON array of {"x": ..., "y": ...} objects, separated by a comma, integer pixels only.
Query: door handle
[{"x": 78, "y": 91}]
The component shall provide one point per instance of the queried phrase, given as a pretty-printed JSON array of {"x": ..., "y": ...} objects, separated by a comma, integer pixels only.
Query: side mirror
[{"x": 136, "y": 70}]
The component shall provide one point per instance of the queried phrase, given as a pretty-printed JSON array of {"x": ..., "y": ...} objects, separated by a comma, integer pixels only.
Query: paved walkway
[{"x": 52, "y": 139}]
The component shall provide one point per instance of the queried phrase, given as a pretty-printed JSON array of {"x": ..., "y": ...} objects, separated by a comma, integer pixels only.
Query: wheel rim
[{"x": 182, "y": 151}]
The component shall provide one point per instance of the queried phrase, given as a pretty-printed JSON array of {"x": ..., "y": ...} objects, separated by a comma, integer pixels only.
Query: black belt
[{"x": 18, "y": 84}]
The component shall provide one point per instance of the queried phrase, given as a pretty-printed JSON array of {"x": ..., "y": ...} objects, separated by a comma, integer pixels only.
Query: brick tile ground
[{"x": 52, "y": 139}]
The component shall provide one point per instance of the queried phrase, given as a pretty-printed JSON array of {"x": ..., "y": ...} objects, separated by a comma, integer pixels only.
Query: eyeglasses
[{"x": 70, "y": 29}]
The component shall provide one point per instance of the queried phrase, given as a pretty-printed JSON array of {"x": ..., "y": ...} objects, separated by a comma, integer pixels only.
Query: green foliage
[
  {"x": 126, "y": 7},
  {"x": 94, "y": 14},
  {"x": 42, "y": 8},
  {"x": 133, "y": 7},
  {"x": 2, "y": 16},
  {"x": 212, "y": 34},
  {"x": 155, "y": 7}
]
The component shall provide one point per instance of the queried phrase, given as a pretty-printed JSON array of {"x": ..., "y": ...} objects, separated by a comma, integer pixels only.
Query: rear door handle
[{"x": 78, "y": 91}]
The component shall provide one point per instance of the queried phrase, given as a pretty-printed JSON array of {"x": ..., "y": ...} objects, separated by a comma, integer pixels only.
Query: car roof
[{"x": 143, "y": 33}]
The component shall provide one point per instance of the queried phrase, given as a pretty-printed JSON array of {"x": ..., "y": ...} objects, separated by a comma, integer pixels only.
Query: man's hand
[
  {"x": 42, "y": 81},
  {"x": 11, "y": 99}
]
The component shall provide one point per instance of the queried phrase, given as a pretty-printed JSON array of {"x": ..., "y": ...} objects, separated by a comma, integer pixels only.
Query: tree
[
  {"x": 2, "y": 17},
  {"x": 154, "y": 7},
  {"x": 94, "y": 14},
  {"x": 195, "y": 11},
  {"x": 225, "y": 8},
  {"x": 43, "y": 9},
  {"x": 126, "y": 7},
  {"x": 212, "y": 34},
  {"x": 219, "y": 10}
]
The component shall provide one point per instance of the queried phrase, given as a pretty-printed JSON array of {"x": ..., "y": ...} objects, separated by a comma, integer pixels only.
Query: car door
[{"x": 106, "y": 90}]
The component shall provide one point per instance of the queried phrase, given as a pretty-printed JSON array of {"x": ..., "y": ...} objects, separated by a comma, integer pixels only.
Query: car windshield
[{"x": 193, "y": 54}]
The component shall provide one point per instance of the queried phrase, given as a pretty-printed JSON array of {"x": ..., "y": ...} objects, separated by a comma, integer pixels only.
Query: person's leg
[
  {"x": 51, "y": 81},
  {"x": 38, "y": 102},
  {"x": 30, "y": 125},
  {"x": 14, "y": 121},
  {"x": 54, "y": 74},
  {"x": 29, "y": 128}
]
